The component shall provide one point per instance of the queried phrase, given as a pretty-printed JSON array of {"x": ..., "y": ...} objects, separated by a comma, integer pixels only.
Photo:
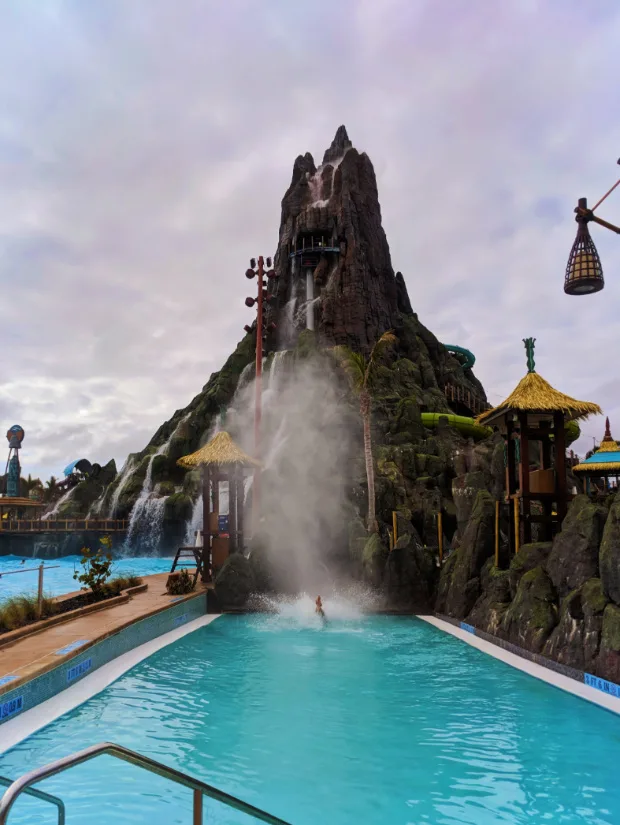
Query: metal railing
[
  {"x": 39, "y": 570},
  {"x": 45, "y": 797},
  {"x": 200, "y": 789},
  {"x": 63, "y": 525}
]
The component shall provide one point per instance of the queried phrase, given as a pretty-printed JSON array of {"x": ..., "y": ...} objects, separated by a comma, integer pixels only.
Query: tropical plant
[
  {"x": 361, "y": 372},
  {"x": 51, "y": 490},
  {"x": 180, "y": 583},
  {"x": 96, "y": 568}
]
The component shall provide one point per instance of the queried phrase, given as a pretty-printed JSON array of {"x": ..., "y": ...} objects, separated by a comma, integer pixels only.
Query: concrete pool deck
[{"x": 32, "y": 656}]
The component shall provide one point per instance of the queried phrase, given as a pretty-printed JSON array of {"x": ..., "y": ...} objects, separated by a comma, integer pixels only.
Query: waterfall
[
  {"x": 63, "y": 498},
  {"x": 147, "y": 514},
  {"x": 275, "y": 373},
  {"x": 120, "y": 486},
  {"x": 143, "y": 520}
]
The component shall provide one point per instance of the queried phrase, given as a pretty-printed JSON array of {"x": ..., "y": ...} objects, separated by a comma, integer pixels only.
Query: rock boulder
[{"x": 574, "y": 555}]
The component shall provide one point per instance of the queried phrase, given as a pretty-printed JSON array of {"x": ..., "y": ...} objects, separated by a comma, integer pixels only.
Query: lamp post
[
  {"x": 261, "y": 334},
  {"x": 584, "y": 273}
]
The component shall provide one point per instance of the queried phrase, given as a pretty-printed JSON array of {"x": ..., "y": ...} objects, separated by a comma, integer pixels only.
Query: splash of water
[{"x": 340, "y": 607}]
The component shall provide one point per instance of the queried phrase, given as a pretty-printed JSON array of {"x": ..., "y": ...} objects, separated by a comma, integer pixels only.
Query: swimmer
[{"x": 319, "y": 607}]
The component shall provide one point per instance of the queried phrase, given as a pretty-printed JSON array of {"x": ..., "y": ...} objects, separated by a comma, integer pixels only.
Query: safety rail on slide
[{"x": 200, "y": 789}]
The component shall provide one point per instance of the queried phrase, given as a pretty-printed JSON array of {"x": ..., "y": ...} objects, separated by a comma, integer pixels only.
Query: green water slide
[
  {"x": 464, "y": 356},
  {"x": 468, "y": 427}
]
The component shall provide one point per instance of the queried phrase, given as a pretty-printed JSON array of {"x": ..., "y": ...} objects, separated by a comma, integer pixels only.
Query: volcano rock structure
[{"x": 336, "y": 285}]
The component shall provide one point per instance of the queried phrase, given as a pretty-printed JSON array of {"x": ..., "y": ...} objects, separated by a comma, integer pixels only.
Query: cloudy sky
[{"x": 145, "y": 146}]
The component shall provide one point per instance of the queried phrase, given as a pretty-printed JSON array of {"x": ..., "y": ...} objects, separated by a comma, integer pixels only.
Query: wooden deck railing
[
  {"x": 63, "y": 525},
  {"x": 469, "y": 399}
]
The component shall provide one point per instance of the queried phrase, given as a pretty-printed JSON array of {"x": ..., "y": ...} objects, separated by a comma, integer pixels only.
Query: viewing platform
[{"x": 19, "y": 526}]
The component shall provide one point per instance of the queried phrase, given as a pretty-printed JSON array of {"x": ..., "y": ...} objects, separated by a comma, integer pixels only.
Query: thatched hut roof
[
  {"x": 220, "y": 451},
  {"x": 535, "y": 395},
  {"x": 606, "y": 460}
]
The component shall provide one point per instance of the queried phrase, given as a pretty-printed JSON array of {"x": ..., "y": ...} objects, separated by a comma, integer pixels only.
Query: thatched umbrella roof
[
  {"x": 605, "y": 461},
  {"x": 220, "y": 451},
  {"x": 534, "y": 394}
]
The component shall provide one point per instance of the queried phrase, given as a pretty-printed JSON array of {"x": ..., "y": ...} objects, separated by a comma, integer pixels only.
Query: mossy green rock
[
  {"x": 494, "y": 600},
  {"x": 609, "y": 555},
  {"x": 178, "y": 507},
  {"x": 235, "y": 582},
  {"x": 529, "y": 556},
  {"x": 373, "y": 560},
  {"x": 475, "y": 548},
  {"x": 533, "y": 614},
  {"x": 465, "y": 488},
  {"x": 608, "y": 661},
  {"x": 576, "y": 639},
  {"x": 574, "y": 555}
]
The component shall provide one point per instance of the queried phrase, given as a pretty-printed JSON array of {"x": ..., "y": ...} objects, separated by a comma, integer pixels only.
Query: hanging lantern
[{"x": 584, "y": 273}]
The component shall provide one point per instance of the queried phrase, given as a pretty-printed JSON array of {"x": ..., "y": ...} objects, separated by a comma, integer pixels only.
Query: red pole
[{"x": 259, "y": 394}]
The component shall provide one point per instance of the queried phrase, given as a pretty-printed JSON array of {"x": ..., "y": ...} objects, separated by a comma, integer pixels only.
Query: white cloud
[{"x": 145, "y": 148}]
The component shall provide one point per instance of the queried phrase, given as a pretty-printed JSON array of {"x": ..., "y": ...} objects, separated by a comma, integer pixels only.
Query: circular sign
[{"x": 15, "y": 435}]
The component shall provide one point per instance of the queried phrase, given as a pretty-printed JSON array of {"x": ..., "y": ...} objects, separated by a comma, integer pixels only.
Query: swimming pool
[
  {"x": 369, "y": 720},
  {"x": 60, "y": 580}
]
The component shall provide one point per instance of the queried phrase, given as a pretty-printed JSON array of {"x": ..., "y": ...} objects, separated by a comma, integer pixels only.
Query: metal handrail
[
  {"x": 28, "y": 570},
  {"x": 45, "y": 797},
  {"x": 22, "y": 785}
]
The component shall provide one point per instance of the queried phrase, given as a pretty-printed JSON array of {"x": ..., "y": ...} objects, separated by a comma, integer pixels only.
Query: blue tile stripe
[
  {"x": 73, "y": 646},
  {"x": 468, "y": 627},
  {"x": 4, "y": 680},
  {"x": 49, "y": 684},
  {"x": 601, "y": 684},
  {"x": 11, "y": 707}
]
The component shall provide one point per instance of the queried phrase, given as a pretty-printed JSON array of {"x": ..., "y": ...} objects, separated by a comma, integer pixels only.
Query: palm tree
[
  {"x": 361, "y": 374},
  {"x": 52, "y": 488}
]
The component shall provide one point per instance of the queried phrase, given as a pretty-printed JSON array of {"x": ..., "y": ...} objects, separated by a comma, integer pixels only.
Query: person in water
[{"x": 319, "y": 607}]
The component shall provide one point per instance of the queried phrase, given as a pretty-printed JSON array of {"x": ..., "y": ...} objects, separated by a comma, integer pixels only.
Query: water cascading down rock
[{"x": 335, "y": 286}]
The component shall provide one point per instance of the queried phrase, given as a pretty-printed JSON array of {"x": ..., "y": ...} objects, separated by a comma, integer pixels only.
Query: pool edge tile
[
  {"x": 538, "y": 671},
  {"x": 41, "y": 714}
]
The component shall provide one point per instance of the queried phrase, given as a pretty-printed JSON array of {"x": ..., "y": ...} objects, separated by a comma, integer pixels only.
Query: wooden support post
[
  {"x": 510, "y": 482},
  {"x": 497, "y": 534},
  {"x": 395, "y": 526},
  {"x": 515, "y": 502},
  {"x": 524, "y": 478},
  {"x": 240, "y": 502},
  {"x": 440, "y": 536},
  {"x": 560, "y": 466},
  {"x": 40, "y": 592},
  {"x": 206, "y": 512},
  {"x": 232, "y": 509}
]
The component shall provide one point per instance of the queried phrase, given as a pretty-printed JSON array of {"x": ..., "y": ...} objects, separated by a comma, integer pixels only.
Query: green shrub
[
  {"x": 20, "y": 610},
  {"x": 180, "y": 583}
]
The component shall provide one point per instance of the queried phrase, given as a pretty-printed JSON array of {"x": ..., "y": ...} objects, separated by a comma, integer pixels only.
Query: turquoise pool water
[
  {"x": 378, "y": 720},
  {"x": 60, "y": 579}
]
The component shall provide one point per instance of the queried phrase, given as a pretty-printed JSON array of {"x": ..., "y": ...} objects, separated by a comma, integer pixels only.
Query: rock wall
[{"x": 559, "y": 599}]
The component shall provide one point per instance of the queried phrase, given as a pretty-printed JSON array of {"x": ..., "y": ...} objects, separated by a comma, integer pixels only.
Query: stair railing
[{"x": 200, "y": 789}]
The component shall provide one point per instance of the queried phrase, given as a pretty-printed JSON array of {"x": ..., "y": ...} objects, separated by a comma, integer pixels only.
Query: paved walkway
[{"x": 33, "y": 655}]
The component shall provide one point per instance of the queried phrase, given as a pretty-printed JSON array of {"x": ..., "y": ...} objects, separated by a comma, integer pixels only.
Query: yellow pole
[
  {"x": 440, "y": 536},
  {"x": 497, "y": 533},
  {"x": 516, "y": 506},
  {"x": 394, "y": 527}
]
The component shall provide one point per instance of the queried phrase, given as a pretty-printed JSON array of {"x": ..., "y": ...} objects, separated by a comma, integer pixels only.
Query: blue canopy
[{"x": 70, "y": 467}]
